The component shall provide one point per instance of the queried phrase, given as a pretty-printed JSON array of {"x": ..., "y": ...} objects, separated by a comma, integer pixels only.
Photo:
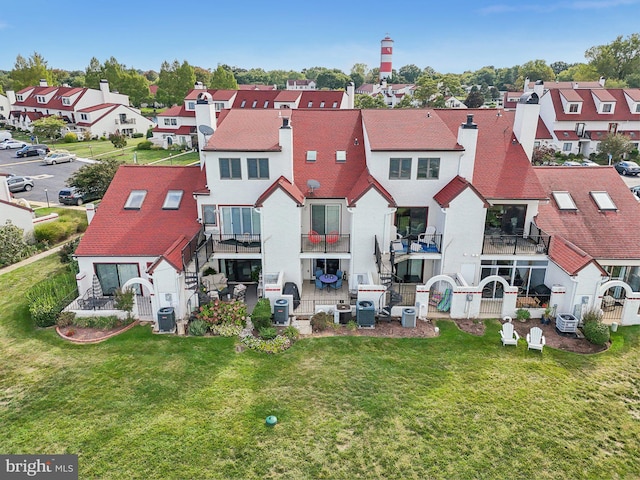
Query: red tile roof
[
  {"x": 286, "y": 186},
  {"x": 247, "y": 130},
  {"x": 150, "y": 231},
  {"x": 633, "y": 94},
  {"x": 542, "y": 132},
  {"x": 288, "y": 95},
  {"x": 327, "y": 131},
  {"x": 317, "y": 97},
  {"x": 603, "y": 95},
  {"x": 177, "y": 111},
  {"x": 257, "y": 96},
  {"x": 568, "y": 135},
  {"x": 603, "y": 235},
  {"x": 568, "y": 256},
  {"x": 365, "y": 183},
  {"x": 257, "y": 87},
  {"x": 569, "y": 85},
  {"x": 570, "y": 95},
  {"x": 107, "y": 109},
  {"x": 407, "y": 130},
  {"x": 502, "y": 169},
  {"x": 454, "y": 188},
  {"x": 182, "y": 130},
  {"x": 621, "y": 113},
  {"x": 55, "y": 103}
]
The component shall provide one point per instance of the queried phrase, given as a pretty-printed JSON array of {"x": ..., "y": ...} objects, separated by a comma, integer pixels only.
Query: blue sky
[{"x": 451, "y": 36}]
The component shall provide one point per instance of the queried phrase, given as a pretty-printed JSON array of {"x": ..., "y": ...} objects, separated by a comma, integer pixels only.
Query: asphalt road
[{"x": 48, "y": 180}]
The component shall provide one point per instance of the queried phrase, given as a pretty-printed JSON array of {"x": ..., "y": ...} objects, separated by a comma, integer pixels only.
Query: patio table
[{"x": 328, "y": 278}]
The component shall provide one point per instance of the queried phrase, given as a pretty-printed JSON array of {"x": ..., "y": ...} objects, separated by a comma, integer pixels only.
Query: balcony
[
  {"x": 125, "y": 121},
  {"x": 236, "y": 243},
  {"x": 329, "y": 243},
  {"x": 500, "y": 244}
]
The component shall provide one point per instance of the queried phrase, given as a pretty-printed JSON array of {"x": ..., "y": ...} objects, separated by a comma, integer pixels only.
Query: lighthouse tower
[{"x": 386, "y": 50}]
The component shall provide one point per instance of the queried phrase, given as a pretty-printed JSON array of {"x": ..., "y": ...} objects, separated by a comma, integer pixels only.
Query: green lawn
[{"x": 143, "y": 406}]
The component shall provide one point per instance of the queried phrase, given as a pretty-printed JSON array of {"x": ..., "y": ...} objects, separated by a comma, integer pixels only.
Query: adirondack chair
[
  {"x": 428, "y": 236},
  {"x": 508, "y": 335},
  {"x": 535, "y": 339}
]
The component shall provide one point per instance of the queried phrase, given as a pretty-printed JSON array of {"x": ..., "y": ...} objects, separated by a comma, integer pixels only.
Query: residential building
[
  {"x": 301, "y": 84},
  {"x": 18, "y": 213},
  {"x": 86, "y": 111}
]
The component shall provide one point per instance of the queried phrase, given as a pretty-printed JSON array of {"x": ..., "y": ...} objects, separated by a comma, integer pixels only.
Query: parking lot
[{"x": 48, "y": 179}]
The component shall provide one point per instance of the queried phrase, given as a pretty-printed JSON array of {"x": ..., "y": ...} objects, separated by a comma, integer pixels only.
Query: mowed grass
[{"x": 144, "y": 406}]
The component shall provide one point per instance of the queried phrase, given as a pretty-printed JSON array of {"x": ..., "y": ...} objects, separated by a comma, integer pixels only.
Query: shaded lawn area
[{"x": 457, "y": 406}]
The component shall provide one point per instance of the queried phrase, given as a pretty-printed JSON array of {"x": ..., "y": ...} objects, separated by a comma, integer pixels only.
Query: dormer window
[
  {"x": 253, "y": 105},
  {"x": 564, "y": 201},
  {"x": 244, "y": 102},
  {"x": 341, "y": 156},
  {"x": 321, "y": 104},
  {"x": 310, "y": 104},
  {"x": 66, "y": 101},
  {"x": 134, "y": 202},
  {"x": 637, "y": 107},
  {"x": 191, "y": 105},
  {"x": 172, "y": 200},
  {"x": 266, "y": 104},
  {"x": 84, "y": 116},
  {"x": 41, "y": 99},
  {"x": 603, "y": 200},
  {"x": 607, "y": 107},
  {"x": 335, "y": 105},
  {"x": 19, "y": 97},
  {"x": 573, "y": 108},
  {"x": 311, "y": 155}
]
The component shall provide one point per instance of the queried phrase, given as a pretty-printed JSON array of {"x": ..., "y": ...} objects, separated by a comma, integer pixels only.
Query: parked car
[
  {"x": 571, "y": 163},
  {"x": 58, "y": 156},
  {"x": 5, "y": 135},
  {"x": 627, "y": 168},
  {"x": 18, "y": 184},
  {"x": 71, "y": 196},
  {"x": 636, "y": 190},
  {"x": 12, "y": 144},
  {"x": 589, "y": 163},
  {"x": 33, "y": 150}
]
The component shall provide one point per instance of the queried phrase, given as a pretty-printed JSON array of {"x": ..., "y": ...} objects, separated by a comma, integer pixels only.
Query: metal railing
[
  {"x": 515, "y": 245},
  {"x": 237, "y": 242},
  {"x": 328, "y": 243}
]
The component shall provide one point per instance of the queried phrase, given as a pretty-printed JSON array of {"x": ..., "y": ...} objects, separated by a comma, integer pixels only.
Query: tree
[
  {"x": 223, "y": 79},
  {"x": 579, "y": 72},
  {"x": 48, "y": 128},
  {"x": 29, "y": 72},
  {"x": 615, "y": 145},
  {"x": 118, "y": 140},
  {"x": 486, "y": 75},
  {"x": 95, "y": 178},
  {"x": 426, "y": 90},
  {"x": 475, "y": 99},
  {"x": 410, "y": 72},
  {"x": 367, "y": 101},
  {"x": 535, "y": 70},
  {"x": 449, "y": 84},
  {"x": 93, "y": 73},
  {"x": 558, "y": 67},
  {"x": 541, "y": 154},
  {"x": 407, "y": 101},
  {"x": 332, "y": 79},
  {"x": 357, "y": 79},
  {"x": 13, "y": 246},
  {"x": 617, "y": 59},
  {"x": 174, "y": 82}
]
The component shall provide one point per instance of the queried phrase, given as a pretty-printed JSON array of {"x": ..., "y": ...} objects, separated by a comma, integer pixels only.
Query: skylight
[
  {"x": 341, "y": 156},
  {"x": 564, "y": 201},
  {"x": 136, "y": 197},
  {"x": 172, "y": 200},
  {"x": 311, "y": 155},
  {"x": 603, "y": 200}
]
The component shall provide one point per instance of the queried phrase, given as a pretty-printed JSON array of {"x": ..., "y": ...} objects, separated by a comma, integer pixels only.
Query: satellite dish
[
  {"x": 205, "y": 130},
  {"x": 313, "y": 185}
]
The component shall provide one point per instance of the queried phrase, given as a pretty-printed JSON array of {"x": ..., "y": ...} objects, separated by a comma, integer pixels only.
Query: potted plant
[
  {"x": 546, "y": 316},
  {"x": 522, "y": 314}
]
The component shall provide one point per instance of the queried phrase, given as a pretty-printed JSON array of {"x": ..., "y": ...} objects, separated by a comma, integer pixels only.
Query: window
[
  {"x": 84, "y": 116},
  {"x": 257, "y": 168},
  {"x": 603, "y": 200},
  {"x": 240, "y": 220},
  {"x": 266, "y": 104},
  {"x": 564, "y": 200},
  {"x": 566, "y": 147},
  {"x": 580, "y": 129},
  {"x": 230, "y": 168},
  {"x": 606, "y": 108},
  {"x": 321, "y": 104},
  {"x": 218, "y": 106},
  {"x": 411, "y": 220},
  {"x": 524, "y": 274},
  {"x": 310, "y": 104},
  {"x": 41, "y": 99},
  {"x": 428, "y": 168},
  {"x": 209, "y": 215},
  {"x": 311, "y": 155},
  {"x": 325, "y": 219},
  {"x": 19, "y": 97},
  {"x": 253, "y": 105},
  {"x": 191, "y": 105},
  {"x": 172, "y": 200},
  {"x": 400, "y": 168},
  {"x": 341, "y": 156},
  {"x": 335, "y": 105},
  {"x": 244, "y": 102},
  {"x": 573, "y": 108},
  {"x": 637, "y": 107},
  {"x": 66, "y": 101},
  {"x": 134, "y": 202},
  {"x": 113, "y": 276},
  {"x": 174, "y": 121},
  {"x": 167, "y": 121}
]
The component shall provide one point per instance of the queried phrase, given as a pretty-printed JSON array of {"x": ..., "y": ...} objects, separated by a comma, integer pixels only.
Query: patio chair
[
  {"x": 535, "y": 339},
  {"x": 337, "y": 284},
  {"x": 319, "y": 284},
  {"x": 508, "y": 335},
  {"x": 428, "y": 236},
  {"x": 314, "y": 237},
  {"x": 333, "y": 236},
  {"x": 398, "y": 247}
]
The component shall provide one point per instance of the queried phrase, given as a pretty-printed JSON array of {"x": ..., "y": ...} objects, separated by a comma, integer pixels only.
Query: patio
[{"x": 310, "y": 296}]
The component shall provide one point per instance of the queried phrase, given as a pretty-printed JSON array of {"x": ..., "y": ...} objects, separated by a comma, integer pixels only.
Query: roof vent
[
  {"x": 285, "y": 122},
  {"x": 470, "y": 123}
]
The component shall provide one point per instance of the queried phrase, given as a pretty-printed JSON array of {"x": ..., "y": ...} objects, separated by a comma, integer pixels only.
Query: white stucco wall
[
  {"x": 19, "y": 217},
  {"x": 87, "y": 270}
]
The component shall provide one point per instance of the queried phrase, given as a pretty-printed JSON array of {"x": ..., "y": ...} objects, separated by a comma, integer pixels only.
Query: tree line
[{"x": 617, "y": 61}]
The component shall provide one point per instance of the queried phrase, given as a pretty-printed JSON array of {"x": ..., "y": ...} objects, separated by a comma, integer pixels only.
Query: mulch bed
[
  {"x": 391, "y": 329},
  {"x": 554, "y": 339},
  {"x": 90, "y": 335}
]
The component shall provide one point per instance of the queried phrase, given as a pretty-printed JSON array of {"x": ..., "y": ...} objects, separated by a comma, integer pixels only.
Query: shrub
[
  {"x": 124, "y": 300},
  {"x": 55, "y": 232},
  {"x": 46, "y": 299},
  {"x": 276, "y": 345},
  {"x": 320, "y": 321},
  {"x": 223, "y": 313},
  {"x": 103, "y": 323},
  {"x": 137, "y": 135},
  {"x": 198, "y": 327},
  {"x": 261, "y": 316},
  {"x": 596, "y": 332},
  {"x": 225, "y": 330},
  {"x": 268, "y": 333},
  {"x": 291, "y": 332},
  {"x": 522, "y": 314},
  {"x": 65, "y": 319},
  {"x": 592, "y": 315},
  {"x": 13, "y": 246},
  {"x": 352, "y": 325},
  {"x": 146, "y": 145},
  {"x": 70, "y": 138}
]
